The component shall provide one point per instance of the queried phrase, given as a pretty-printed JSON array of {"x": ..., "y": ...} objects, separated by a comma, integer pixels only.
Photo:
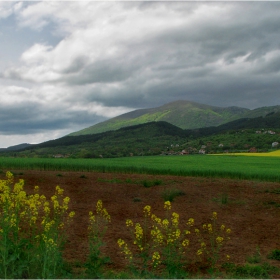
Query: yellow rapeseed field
[{"x": 270, "y": 154}]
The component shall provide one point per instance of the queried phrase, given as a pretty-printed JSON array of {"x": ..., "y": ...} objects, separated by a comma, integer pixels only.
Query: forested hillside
[{"x": 157, "y": 138}]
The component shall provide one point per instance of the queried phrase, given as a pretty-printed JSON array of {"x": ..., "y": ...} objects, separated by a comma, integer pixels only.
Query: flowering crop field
[{"x": 231, "y": 166}]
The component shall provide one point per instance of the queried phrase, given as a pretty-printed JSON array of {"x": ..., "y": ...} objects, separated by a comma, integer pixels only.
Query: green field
[{"x": 238, "y": 167}]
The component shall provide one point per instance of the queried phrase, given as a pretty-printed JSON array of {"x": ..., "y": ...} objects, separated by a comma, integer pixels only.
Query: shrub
[{"x": 274, "y": 255}]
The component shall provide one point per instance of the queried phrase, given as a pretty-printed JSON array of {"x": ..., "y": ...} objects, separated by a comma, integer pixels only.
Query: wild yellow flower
[
  {"x": 33, "y": 220},
  {"x": 10, "y": 177},
  {"x": 185, "y": 242},
  {"x": 210, "y": 228},
  {"x": 177, "y": 233},
  {"x": 106, "y": 215},
  {"x": 47, "y": 210},
  {"x": 222, "y": 227},
  {"x": 187, "y": 232},
  {"x": 21, "y": 196},
  {"x": 190, "y": 222},
  {"x": 228, "y": 257},
  {"x": 99, "y": 207},
  {"x": 71, "y": 214},
  {"x": 175, "y": 219},
  {"x": 214, "y": 216},
  {"x": 167, "y": 205},
  {"x": 56, "y": 205},
  {"x": 54, "y": 197},
  {"x": 22, "y": 214},
  {"x": 59, "y": 190},
  {"x": 126, "y": 251},
  {"x": 156, "y": 259},
  {"x": 120, "y": 242},
  {"x": 129, "y": 223},
  {"x": 228, "y": 230},
  {"x": 18, "y": 186},
  {"x": 138, "y": 232},
  {"x": 199, "y": 252},
  {"x": 203, "y": 245},
  {"x": 61, "y": 226},
  {"x": 32, "y": 206},
  {"x": 197, "y": 231},
  {"x": 46, "y": 204},
  {"x": 165, "y": 223},
  {"x": 49, "y": 225},
  {"x": 170, "y": 240},
  {"x": 147, "y": 210},
  {"x": 13, "y": 221},
  {"x": 156, "y": 219},
  {"x": 65, "y": 203},
  {"x": 91, "y": 217},
  {"x": 157, "y": 235},
  {"x": 219, "y": 239}
]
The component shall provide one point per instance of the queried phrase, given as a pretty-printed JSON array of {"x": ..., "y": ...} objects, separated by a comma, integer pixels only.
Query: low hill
[
  {"x": 16, "y": 147},
  {"x": 183, "y": 114},
  {"x": 149, "y": 139}
]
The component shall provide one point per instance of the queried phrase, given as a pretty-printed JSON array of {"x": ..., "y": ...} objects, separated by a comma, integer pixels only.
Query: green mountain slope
[{"x": 184, "y": 114}]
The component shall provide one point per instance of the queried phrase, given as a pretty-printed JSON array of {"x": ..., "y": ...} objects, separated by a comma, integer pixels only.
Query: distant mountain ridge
[{"x": 183, "y": 114}]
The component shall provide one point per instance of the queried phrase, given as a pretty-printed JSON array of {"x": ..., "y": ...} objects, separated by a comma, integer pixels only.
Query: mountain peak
[{"x": 182, "y": 113}]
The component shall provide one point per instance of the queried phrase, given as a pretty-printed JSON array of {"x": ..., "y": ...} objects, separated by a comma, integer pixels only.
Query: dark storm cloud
[
  {"x": 139, "y": 55},
  {"x": 32, "y": 118}
]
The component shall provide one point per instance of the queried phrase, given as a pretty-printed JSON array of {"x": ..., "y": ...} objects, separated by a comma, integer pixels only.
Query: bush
[{"x": 274, "y": 255}]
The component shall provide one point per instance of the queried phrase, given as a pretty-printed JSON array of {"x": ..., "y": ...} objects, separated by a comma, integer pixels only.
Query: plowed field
[{"x": 251, "y": 210}]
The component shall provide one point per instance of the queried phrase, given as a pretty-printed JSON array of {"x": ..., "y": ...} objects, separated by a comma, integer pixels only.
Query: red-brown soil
[{"x": 254, "y": 221}]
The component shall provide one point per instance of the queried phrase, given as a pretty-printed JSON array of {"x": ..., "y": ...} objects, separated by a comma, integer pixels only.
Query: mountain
[
  {"x": 183, "y": 114},
  {"x": 156, "y": 138}
]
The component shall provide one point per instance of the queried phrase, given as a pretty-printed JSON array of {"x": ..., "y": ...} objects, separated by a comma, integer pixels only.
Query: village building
[{"x": 274, "y": 144}]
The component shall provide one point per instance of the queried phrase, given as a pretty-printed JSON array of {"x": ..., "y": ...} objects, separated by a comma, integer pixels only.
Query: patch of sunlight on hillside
[{"x": 270, "y": 154}]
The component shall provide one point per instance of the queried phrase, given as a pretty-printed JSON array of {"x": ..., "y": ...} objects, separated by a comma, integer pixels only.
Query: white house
[{"x": 274, "y": 144}]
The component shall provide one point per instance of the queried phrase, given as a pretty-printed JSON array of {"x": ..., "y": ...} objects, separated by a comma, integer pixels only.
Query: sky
[{"x": 65, "y": 66}]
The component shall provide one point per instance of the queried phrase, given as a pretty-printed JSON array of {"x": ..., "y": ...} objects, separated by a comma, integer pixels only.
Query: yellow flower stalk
[
  {"x": 147, "y": 210},
  {"x": 214, "y": 216},
  {"x": 175, "y": 219},
  {"x": 210, "y": 228},
  {"x": 156, "y": 259}
]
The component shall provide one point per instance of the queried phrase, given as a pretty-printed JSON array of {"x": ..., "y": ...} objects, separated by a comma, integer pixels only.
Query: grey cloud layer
[{"x": 116, "y": 56}]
